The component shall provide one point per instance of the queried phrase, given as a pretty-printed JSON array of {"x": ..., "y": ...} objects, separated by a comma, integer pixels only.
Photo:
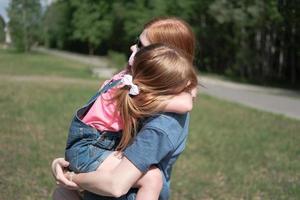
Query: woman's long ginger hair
[
  {"x": 173, "y": 32},
  {"x": 160, "y": 72}
]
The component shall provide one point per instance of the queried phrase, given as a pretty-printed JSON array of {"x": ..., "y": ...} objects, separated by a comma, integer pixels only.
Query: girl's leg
[
  {"x": 61, "y": 193},
  {"x": 149, "y": 185}
]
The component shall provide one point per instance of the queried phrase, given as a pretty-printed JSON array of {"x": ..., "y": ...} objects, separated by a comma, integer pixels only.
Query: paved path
[
  {"x": 273, "y": 100},
  {"x": 285, "y": 102},
  {"x": 99, "y": 64}
]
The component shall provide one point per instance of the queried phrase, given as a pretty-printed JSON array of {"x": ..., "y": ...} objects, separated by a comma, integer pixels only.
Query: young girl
[{"x": 150, "y": 86}]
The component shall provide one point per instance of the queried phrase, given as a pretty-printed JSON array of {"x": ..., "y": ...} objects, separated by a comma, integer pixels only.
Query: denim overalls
[{"x": 87, "y": 147}]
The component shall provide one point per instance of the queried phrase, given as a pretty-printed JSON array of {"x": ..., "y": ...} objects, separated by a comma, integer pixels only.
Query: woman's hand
[{"x": 60, "y": 173}]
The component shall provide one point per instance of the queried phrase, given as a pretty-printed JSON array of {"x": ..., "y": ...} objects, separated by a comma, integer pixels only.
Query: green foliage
[
  {"x": 136, "y": 17},
  {"x": 92, "y": 21},
  {"x": 56, "y": 24},
  {"x": 251, "y": 39},
  {"x": 24, "y": 23}
]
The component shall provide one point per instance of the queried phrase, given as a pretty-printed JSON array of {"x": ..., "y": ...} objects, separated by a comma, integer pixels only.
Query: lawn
[
  {"x": 15, "y": 63},
  {"x": 233, "y": 152}
]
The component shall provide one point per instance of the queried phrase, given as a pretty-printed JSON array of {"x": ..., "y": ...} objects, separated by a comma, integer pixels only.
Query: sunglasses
[{"x": 139, "y": 43}]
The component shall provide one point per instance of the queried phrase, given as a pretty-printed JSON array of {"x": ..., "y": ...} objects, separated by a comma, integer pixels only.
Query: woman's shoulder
[{"x": 167, "y": 121}]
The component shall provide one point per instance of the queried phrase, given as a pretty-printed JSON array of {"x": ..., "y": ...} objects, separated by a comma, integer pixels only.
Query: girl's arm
[
  {"x": 59, "y": 168},
  {"x": 181, "y": 103}
]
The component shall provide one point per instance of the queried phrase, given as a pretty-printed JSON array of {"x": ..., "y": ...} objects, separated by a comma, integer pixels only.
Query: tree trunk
[
  {"x": 91, "y": 49},
  {"x": 25, "y": 36},
  {"x": 293, "y": 55}
]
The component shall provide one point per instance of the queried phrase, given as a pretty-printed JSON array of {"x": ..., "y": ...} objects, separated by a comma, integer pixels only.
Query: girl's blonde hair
[
  {"x": 160, "y": 72},
  {"x": 172, "y": 31}
]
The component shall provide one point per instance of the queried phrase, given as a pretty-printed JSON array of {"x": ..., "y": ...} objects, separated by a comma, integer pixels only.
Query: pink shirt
[{"x": 103, "y": 115}]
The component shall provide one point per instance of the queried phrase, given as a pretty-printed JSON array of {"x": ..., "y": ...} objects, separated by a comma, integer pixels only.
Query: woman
[{"x": 167, "y": 130}]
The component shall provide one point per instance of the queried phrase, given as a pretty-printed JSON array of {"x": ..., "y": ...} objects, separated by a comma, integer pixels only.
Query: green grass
[
  {"x": 118, "y": 60},
  {"x": 15, "y": 63},
  {"x": 236, "y": 152},
  {"x": 233, "y": 152}
]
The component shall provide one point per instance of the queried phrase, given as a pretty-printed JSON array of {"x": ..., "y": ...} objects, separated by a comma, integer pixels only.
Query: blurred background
[
  {"x": 250, "y": 40},
  {"x": 244, "y": 133}
]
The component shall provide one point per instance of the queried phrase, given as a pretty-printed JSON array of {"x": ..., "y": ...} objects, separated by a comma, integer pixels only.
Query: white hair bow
[{"x": 127, "y": 80}]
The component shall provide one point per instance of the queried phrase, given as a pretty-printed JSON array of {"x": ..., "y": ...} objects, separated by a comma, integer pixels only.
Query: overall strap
[
  {"x": 109, "y": 85},
  {"x": 104, "y": 89}
]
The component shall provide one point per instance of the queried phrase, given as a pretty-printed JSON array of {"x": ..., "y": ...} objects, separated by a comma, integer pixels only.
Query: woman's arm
[
  {"x": 104, "y": 181},
  {"x": 116, "y": 182}
]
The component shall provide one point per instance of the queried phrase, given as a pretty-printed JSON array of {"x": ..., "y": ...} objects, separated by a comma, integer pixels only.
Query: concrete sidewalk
[
  {"x": 275, "y": 100},
  {"x": 98, "y": 64}
]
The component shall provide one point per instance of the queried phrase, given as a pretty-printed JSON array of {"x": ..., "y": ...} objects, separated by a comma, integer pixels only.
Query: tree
[
  {"x": 252, "y": 40},
  {"x": 2, "y": 26},
  {"x": 57, "y": 24},
  {"x": 24, "y": 24},
  {"x": 290, "y": 39},
  {"x": 92, "y": 22}
]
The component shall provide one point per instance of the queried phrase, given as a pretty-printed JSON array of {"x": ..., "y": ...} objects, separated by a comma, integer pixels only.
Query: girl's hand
[{"x": 60, "y": 173}]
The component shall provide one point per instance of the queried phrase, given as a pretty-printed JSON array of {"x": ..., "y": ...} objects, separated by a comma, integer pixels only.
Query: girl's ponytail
[{"x": 128, "y": 112}]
